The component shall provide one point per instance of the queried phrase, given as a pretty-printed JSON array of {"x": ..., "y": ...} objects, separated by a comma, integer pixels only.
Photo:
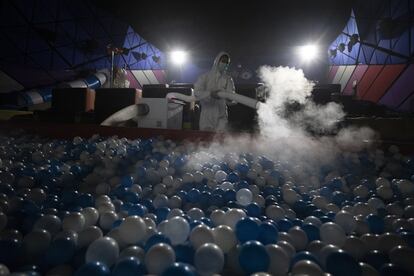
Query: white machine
[
  {"x": 166, "y": 112},
  {"x": 163, "y": 114}
]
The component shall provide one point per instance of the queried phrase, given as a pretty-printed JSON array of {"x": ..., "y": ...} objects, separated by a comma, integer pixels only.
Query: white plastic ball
[
  {"x": 133, "y": 251},
  {"x": 74, "y": 221},
  {"x": 313, "y": 221},
  {"x": 174, "y": 202},
  {"x": 279, "y": 259},
  {"x": 107, "y": 220},
  {"x": 385, "y": 192},
  {"x": 356, "y": 247},
  {"x": 209, "y": 259},
  {"x": 299, "y": 238},
  {"x": 290, "y": 196},
  {"x": 159, "y": 257},
  {"x": 346, "y": 221},
  {"x": 332, "y": 233},
  {"x": 36, "y": 242},
  {"x": 177, "y": 230},
  {"x": 133, "y": 229},
  {"x": 103, "y": 250},
  {"x": 220, "y": 176},
  {"x": 275, "y": 212},
  {"x": 200, "y": 235},
  {"x": 371, "y": 241},
  {"x": 4, "y": 270},
  {"x": 388, "y": 241},
  {"x": 51, "y": 223},
  {"x": 218, "y": 216},
  {"x": 306, "y": 267},
  {"x": 226, "y": 185},
  {"x": 91, "y": 216},
  {"x": 244, "y": 197},
  {"x": 89, "y": 235},
  {"x": 224, "y": 237},
  {"x": 232, "y": 216},
  {"x": 195, "y": 213},
  {"x": 287, "y": 247}
]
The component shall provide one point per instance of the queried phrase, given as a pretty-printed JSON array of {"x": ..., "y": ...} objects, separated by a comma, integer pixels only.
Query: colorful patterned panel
[
  {"x": 339, "y": 74},
  {"x": 133, "y": 82},
  {"x": 408, "y": 104},
  {"x": 383, "y": 82},
  {"x": 400, "y": 90},
  {"x": 141, "y": 77},
  {"x": 369, "y": 77},
  {"x": 346, "y": 75},
  {"x": 356, "y": 76},
  {"x": 150, "y": 76},
  {"x": 332, "y": 73},
  {"x": 160, "y": 75}
]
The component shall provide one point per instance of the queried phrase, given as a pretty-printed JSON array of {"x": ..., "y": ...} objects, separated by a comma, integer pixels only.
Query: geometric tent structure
[
  {"x": 375, "y": 52},
  {"x": 48, "y": 42}
]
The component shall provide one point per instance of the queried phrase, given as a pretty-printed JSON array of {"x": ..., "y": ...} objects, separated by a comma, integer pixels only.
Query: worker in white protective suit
[{"x": 213, "y": 115}]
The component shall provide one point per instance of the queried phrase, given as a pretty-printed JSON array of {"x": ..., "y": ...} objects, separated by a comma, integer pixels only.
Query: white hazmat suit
[{"x": 213, "y": 115}]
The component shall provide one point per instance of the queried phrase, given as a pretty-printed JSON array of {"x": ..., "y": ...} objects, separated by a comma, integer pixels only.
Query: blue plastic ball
[
  {"x": 181, "y": 269},
  {"x": 376, "y": 259},
  {"x": 303, "y": 255},
  {"x": 155, "y": 239},
  {"x": 311, "y": 231},
  {"x": 408, "y": 237},
  {"x": 137, "y": 210},
  {"x": 93, "y": 269},
  {"x": 127, "y": 181},
  {"x": 253, "y": 257},
  {"x": 129, "y": 266},
  {"x": 390, "y": 269},
  {"x": 184, "y": 253},
  {"x": 193, "y": 195},
  {"x": 233, "y": 177},
  {"x": 284, "y": 225},
  {"x": 268, "y": 233},
  {"x": 60, "y": 251},
  {"x": 10, "y": 250},
  {"x": 375, "y": 224},
  {"x": 254, "y": 210},
  {"x": 162, "y": 213},
  {"x": 247, "y": 229},
  {"x": 342, "y": 264},
  {"x": 229, "y": 195}
]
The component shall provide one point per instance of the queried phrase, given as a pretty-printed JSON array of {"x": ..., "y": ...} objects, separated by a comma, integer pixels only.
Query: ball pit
[{"x": 114, "y": 206}]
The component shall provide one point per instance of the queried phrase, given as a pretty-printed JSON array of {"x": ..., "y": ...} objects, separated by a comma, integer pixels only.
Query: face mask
[{"x": 222, "y": 66}]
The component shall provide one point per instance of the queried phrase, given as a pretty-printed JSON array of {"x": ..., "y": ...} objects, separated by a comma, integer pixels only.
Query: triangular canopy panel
[
  {"x": 58, "y": 41},
  {"x": 383, "y": 52}
]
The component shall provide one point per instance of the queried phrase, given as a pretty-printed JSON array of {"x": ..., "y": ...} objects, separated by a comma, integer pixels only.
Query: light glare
[
  {"x": 308, "y": 52},
  {"x": 178, "y": 57}
]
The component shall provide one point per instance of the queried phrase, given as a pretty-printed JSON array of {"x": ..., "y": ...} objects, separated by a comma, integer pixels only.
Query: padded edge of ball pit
[{"x": 65, "y": 131}]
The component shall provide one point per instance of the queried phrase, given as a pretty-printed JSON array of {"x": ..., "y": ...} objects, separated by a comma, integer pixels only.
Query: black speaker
[
  {"x": 71, "y": 100},
  {"x": 110, "y": 100},
  {"x": 157, "y": 92},
  {"x": 321, "y": 93}
]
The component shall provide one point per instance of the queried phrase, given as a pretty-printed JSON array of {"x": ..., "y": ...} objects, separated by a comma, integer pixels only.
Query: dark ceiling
[{"x": 249, "y": 30}]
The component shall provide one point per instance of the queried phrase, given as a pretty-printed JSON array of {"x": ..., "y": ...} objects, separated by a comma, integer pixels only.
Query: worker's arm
[
  {"x": 230, "y": 88},
  {"x": 200, "y": 90}
]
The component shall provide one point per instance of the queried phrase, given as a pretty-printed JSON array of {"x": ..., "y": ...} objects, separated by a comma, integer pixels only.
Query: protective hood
[{"x": 216, "y": 60}]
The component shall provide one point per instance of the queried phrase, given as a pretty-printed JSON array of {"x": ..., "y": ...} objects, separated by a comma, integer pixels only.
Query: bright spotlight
[
  {"x": 308, "y": 52},
  {"x": 178, "y": 57}
]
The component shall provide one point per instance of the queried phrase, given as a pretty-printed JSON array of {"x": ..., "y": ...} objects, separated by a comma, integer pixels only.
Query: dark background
[{"x": 253, "y": 32}]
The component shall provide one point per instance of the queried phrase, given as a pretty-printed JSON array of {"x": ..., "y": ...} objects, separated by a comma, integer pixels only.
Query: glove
[{"x": 214, "y": 95}]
